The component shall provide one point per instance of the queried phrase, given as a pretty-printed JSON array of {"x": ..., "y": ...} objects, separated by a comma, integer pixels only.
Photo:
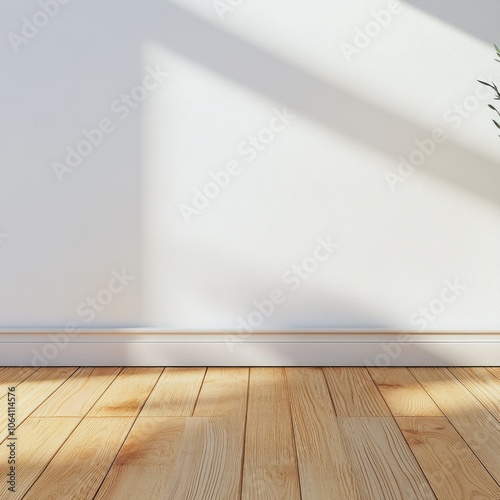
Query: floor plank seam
[
  {"x": 126, "y": 436},
  {"x": 471, "y": 393},
  {"x": 462, "y": 435},
  {"x": 104, "y": 391},
  {"x": 289, "y": 399},
  {"x": 199, "y": 392},
  {"x": 245, "y": 434},
  {"x": 52, "y": 458},
  {"x": 409, "y": 416}
]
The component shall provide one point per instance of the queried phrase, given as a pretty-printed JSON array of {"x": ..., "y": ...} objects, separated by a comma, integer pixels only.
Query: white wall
[{"x": 325, "y": 174}]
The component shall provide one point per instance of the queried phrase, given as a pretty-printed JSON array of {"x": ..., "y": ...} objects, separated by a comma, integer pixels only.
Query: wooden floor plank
[
  {"x": 324, "y": 469},
  {"x": 79, "y": 467},
  {"x": 495, "y": 370},
  {"x": 11, "y": 376},
  {"x": 223, "y": 393},
  {"x": 402, "y": 393},
  {"x": 354, "y": 394},
  {"x": 450, "y": 466},
  {"x": 175, "y": 394},
  {"x": 270, "y": 466},
  {"x": 479, "y": 429},
  {"x": 260, "y": 433},
  {"x": 188, "y": 458},
  {"x": 32, "y": 392},
  {"x": 382, "y": 461},
  {"x": 38, "y": 439},
  {"x": 78, "y": 394},
  {"x": 127, "y": 394},
  {"x": 483, "y": 385},
  {"x": 209, "y": 464},
  {"x": 143, "y": 467}
]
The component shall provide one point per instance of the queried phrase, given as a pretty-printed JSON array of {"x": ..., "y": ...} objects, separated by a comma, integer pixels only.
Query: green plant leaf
[
  {"x": 487, "y": 84},
  {"x": 494, "y": 109},
  {"x": 496, "y": 123}
]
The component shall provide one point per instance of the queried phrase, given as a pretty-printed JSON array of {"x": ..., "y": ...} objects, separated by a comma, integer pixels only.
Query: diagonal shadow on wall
[
  {"x": 267, "y": 74},
  {"x": 477, "y": 18}
]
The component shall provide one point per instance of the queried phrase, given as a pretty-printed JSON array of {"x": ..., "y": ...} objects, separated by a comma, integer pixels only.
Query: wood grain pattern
[
  {"x": 382, "y": 461},
  {"x": 79, "y": 467},
  {"x": 143, "y": 467},
  {"x": 403, "y": 394},
  {"x": 198, "y": 457},
  {"x": 78, "y": 394},
  {"x": 449, "y": 464},
  {"x": 270, "y": 468},
  {"x": 175, "y": 394},
  {"x": 127, "y": 394},
  {"x": 39, "y": 439},
  {"x": 495, "y": 371},
  {"x": 177, "y": 458},
  {"x": 224, "y": 393},
  {"x": 15, "y": 375},
  {"x": 255, "y": 434},
  {"x": 479, "y": 429},
  {"x": 209, "y": 466},
  {"x": 482, "y": 384},
  {"x": 354, "y": 394},
  {"x": 34, "y": 391},
  {"x": 324, "y": 469},
  {"x": 12, "y": 377}
]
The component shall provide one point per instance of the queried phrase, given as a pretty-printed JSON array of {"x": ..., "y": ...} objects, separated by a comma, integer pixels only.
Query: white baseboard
[{"x": 153, "y": 347}]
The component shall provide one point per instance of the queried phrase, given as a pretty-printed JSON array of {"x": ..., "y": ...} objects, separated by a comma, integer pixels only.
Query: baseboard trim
[{"x": 154, "y": 347}]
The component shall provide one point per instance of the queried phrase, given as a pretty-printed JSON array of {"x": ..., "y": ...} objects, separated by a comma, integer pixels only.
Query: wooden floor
[{"x": 258, "y": 433}]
